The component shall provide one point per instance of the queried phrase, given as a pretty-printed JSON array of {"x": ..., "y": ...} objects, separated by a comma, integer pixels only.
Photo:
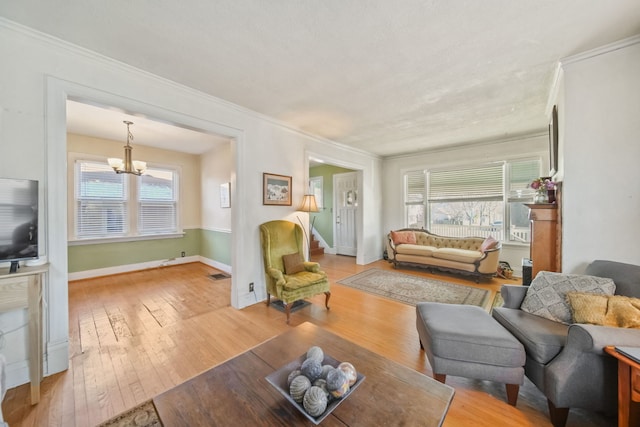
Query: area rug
[
  {"x": 297, "y": 305},
  {"x": 143, "y": 415},
  {"x": 413, "y": 289}
]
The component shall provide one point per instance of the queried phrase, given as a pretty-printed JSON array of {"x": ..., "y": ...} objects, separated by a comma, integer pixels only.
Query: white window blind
[
  {"x": 415, "y": 188},
  {"x": 480, "y": 183},
  {"x": 157, "y": 202},
  {"x": 101, "y": 201},
  {"x": 522, "y": 173}
]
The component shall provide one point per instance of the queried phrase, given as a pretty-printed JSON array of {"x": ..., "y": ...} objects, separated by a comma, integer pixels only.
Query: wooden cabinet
[
  {"x": 544, "y": 237},
  {"x": 24, "y": 290}
]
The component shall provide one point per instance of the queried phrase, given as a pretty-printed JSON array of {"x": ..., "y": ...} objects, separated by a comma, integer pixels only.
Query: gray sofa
[{"x": 567, "y": 362}]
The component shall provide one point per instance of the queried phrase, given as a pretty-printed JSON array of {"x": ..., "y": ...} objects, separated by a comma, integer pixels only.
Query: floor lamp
[{"x": 308, "y": 205}]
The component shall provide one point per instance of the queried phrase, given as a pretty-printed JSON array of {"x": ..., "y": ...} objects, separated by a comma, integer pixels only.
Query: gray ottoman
[{"x": 465, "y": 341}]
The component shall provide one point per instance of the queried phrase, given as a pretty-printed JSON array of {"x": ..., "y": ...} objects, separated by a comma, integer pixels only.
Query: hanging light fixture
[{"x": 135, "y": 167}]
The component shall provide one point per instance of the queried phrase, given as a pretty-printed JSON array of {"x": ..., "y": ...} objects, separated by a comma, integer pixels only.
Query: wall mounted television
[{"x": 18, "y": 221}]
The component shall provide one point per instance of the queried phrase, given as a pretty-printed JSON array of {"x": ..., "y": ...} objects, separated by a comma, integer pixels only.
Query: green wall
[
  {"x": 216, "y": 245},
  {"x": 210, "y": 244},
  {"x": 324, "y": 219}
]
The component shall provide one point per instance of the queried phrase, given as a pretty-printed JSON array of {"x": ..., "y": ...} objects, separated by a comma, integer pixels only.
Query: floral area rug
[
  {"x": 143, "y": 415},
  {"x": 413, "y": 289}
]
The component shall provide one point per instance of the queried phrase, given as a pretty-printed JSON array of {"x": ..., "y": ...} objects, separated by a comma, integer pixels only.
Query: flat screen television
[{"x": 18, "y": 221}]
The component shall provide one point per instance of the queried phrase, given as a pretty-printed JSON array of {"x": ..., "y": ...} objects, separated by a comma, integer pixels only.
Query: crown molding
[
  {"x": 611, "y": 47},
  {"x": 110, "y": 62}
]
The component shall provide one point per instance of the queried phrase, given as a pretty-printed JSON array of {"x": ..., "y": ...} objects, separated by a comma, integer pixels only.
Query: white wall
[
  {"x": 39, "y": 75},
  {"x": 394, "y": 168},
  {"x": 217, "y": 168},
  {"x": 601, "y": 187}
]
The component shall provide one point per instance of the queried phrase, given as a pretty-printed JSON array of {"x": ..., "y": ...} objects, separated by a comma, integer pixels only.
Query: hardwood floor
[{"x": 134, "y": 335}]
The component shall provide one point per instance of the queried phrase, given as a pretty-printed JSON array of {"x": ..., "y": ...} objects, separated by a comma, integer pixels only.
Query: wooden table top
[{"x": 237, "y": 393}]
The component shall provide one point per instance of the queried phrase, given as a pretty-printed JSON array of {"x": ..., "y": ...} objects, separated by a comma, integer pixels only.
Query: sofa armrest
[
  {"x": 594, "y": 338},
  {"x": 488, "y": 264},
  {"x": 513, "y": 295}
]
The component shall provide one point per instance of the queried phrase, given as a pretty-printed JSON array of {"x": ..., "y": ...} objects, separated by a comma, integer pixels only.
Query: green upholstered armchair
[{"x": 280, "y": 238}]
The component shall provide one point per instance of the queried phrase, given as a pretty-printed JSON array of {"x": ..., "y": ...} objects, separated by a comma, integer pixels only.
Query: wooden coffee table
[{"x": 236, "y": 392}]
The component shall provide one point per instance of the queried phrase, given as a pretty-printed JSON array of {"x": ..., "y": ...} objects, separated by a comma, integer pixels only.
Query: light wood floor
[{"x": 134, "y": 335}]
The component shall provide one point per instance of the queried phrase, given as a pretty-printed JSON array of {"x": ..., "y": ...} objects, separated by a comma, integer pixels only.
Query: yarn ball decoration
[
  {"x": 315, "y": 401},
  {"x": 350, "y": 372},
  {"x": 316, "y": 353},
  {"x": 325, "y": 371},
  {"x": 311, "y": 369},
  {"x": 292, "y": 375},
  {"x": 320, "y": 383},
  {"x": 299, "y": 387},
  {"x": 337, "y": 383}
]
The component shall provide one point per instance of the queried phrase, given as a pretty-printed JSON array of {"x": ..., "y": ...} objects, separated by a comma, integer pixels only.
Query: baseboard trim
[{"x": 128, "y": 268}]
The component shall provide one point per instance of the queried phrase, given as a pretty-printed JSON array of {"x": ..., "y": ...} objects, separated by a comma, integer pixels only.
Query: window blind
[
  {"x": 157, "y": 202},
  {"x": 415, "y": 188},
  {"x": 101, "y": 198},
  {"x": 522, "y": 173},
  {"x": 480, "y": 183}
]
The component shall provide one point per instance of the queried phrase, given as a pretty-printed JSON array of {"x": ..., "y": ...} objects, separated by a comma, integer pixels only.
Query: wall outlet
[
  {"x": 182, "y": 254},
  {"x": 251, "y": 287}
]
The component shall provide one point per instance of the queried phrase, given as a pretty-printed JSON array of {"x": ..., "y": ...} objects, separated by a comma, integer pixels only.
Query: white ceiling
[{"x": 388, "y": 77}]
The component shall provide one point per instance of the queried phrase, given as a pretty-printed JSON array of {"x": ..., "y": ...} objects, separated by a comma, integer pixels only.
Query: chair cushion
[
  {"x": 542, "y": 339},
  {"x": 408, "y": 249},
  {"x": 607, "y": 310},
  {"x": 292, "y": 263},
  {"x": 546, "y": 296},
  {"x": 303, "y": 279}
]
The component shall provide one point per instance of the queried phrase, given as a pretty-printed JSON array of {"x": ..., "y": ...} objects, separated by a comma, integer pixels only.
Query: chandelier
[{"x": 135, "y": 167}]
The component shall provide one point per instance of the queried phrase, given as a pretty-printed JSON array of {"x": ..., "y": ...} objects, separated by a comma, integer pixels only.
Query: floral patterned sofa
[{"x": 474, "y": 256}]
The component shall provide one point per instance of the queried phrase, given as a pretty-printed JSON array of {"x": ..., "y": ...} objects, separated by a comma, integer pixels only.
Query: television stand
[{"x": 14, "y": 267}]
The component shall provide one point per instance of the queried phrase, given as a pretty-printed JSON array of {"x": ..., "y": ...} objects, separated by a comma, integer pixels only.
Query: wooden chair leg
[
  {"x": 512, "y": 393},
  {"x": 287, "y": 310},
  {"x": 326, "y": 299},
  {"x": 557, "y": 416},
  {"x": 440, "y": 377},
  {"x": 268, "y": 299}
]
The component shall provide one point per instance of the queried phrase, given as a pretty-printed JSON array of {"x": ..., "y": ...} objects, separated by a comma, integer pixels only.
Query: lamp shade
[{"x": 309, "y": 204}]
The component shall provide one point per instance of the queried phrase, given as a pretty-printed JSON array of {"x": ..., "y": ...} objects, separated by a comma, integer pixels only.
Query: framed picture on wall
[
  {"x": 276, "y": 189},
  {"x": 553, "y": 142},
  {"x": 225, "y": 195}
]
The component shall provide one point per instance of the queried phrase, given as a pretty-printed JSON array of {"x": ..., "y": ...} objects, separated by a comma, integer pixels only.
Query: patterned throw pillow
[{"x": 546, "y": 296}]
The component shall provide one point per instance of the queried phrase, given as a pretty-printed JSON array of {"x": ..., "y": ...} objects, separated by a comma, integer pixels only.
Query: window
[
  {"x": 475, "y": 201},
  {"x": 157, "y": 202},
  {"x": 110, "y": 205},
  {"x": 414, "y": 199}
]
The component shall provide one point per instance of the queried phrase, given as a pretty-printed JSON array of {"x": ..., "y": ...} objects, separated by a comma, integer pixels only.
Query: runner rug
[{"x": 413, "y": 289}]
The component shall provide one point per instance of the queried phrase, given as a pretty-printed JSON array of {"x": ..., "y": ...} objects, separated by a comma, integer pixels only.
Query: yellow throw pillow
[
  {"x": 588, "y": 308},
  {"x": 625, "y": 311},
  {"x": 606, "y": 310},
  {"x": 292, "y": 263}
]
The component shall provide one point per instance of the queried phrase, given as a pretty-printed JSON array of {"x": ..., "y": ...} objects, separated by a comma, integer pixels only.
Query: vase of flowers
[{"x": 543, "y": 187}]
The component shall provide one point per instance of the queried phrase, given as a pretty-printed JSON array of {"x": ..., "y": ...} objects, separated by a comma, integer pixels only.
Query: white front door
[{"x": 345, "y": 191}]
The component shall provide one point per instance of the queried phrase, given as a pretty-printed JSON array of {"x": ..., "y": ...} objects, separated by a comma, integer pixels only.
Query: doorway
[{"x": 345, "y": 196}]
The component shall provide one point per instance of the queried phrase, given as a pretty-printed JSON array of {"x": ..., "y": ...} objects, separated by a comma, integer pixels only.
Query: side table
[
  {"x": 24, "y": 290},
  {"x": 628, "y": 389}
]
